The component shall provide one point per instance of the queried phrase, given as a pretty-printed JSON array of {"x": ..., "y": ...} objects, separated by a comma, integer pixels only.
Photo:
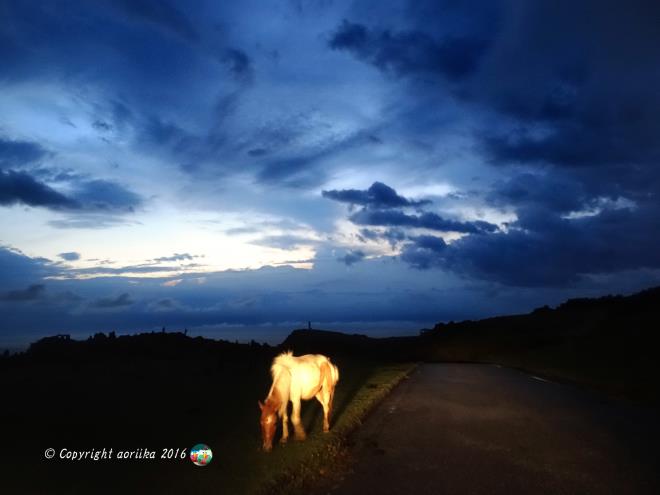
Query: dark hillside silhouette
[
  {"x": 156, "y": 345},
  {"x": 337, "y": 343},
  {"x": 616, "y": 315}
]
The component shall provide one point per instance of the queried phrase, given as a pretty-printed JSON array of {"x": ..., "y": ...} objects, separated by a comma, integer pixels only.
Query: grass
[{"x": 169, "y": 403}]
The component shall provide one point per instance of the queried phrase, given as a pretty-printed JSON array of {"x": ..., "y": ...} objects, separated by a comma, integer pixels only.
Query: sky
[{"x": 241, "y": 168}]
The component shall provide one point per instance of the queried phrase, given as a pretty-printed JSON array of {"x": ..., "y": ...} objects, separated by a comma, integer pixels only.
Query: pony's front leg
[
  {"x": 285, "y": 426},
  {"x": 295, "y": 419}
]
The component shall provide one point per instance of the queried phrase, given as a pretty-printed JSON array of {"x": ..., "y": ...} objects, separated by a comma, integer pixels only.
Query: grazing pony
[{"x": 295, "y": 378}]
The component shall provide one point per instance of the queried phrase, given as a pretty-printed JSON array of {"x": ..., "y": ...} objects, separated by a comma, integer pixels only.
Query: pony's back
[
  {"x": 287, "y": 361},
  {"x": 287, "y": 368}
]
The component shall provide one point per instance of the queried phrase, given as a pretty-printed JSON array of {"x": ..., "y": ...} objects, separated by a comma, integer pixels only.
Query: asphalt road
[{"x": 480, "y": 429}]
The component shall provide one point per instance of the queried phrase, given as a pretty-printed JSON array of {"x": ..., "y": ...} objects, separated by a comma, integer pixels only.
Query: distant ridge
[
  {"x": 635, "y": 313},
  {"x": 149, "y": 345},
  {"x": 304, "y": 341}
]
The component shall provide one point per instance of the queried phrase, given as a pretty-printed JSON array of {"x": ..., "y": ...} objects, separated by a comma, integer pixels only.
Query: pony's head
[{"x": 268, "y": 424}]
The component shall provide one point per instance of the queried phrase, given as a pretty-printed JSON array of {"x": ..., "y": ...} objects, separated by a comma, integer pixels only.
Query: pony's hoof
[
  {"x": 284, "y": 440},
  {"x": 300, "y": 437}
]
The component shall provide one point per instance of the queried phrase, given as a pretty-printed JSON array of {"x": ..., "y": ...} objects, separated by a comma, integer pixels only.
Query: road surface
[{"x": 481, "y": 429}]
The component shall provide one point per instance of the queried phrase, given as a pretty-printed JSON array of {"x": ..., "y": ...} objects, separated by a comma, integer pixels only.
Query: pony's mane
[
  {"x": 280, "y": 370},
  {"x": 285, "y": 360}
]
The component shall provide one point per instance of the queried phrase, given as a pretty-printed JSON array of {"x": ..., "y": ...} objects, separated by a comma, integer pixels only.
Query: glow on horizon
[{"x": 149, "y": 236}]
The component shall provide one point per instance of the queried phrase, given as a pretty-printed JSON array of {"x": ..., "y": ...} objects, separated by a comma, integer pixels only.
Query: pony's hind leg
[
  {"x": 330, "y": 400},
  {"x": 324, "y": 398},
  {"x": 325, "y": 394}
]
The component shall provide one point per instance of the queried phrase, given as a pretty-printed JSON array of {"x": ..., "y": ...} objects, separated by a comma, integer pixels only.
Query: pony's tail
[
  {"x": 329, "y": 374},
  {"x": 335, "y": 373}
]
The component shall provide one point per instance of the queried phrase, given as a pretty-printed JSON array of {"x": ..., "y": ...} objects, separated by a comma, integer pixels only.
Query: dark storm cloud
[
  {"x": 409, "y": 52},
  {"x": 88, "y": 195},
  {"x": 352, "y": 257},
  {"x": 423, "y": 251},
  {"x": 15, "y": 154},
  {"x": 586, "y": 98},
  {"x": 122, "y": 43},
  {"x": 428, "y": 220},
  {"x": 563, "y": 147},
  {"x": 32, "y": 293},
  {"x": 21, "y": 187},
  {"x": 113, "y": 302},
  {"x": 379, "y": 195},
  {"x": 552, "y": 191},
  {"x": 543, "y": 249},
  {"x": 70, "y": 256},
  {"x": 392, "y": 236}
]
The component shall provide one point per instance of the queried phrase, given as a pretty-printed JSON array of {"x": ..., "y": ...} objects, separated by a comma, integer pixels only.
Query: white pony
[{"x": 296, "y": 378}]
